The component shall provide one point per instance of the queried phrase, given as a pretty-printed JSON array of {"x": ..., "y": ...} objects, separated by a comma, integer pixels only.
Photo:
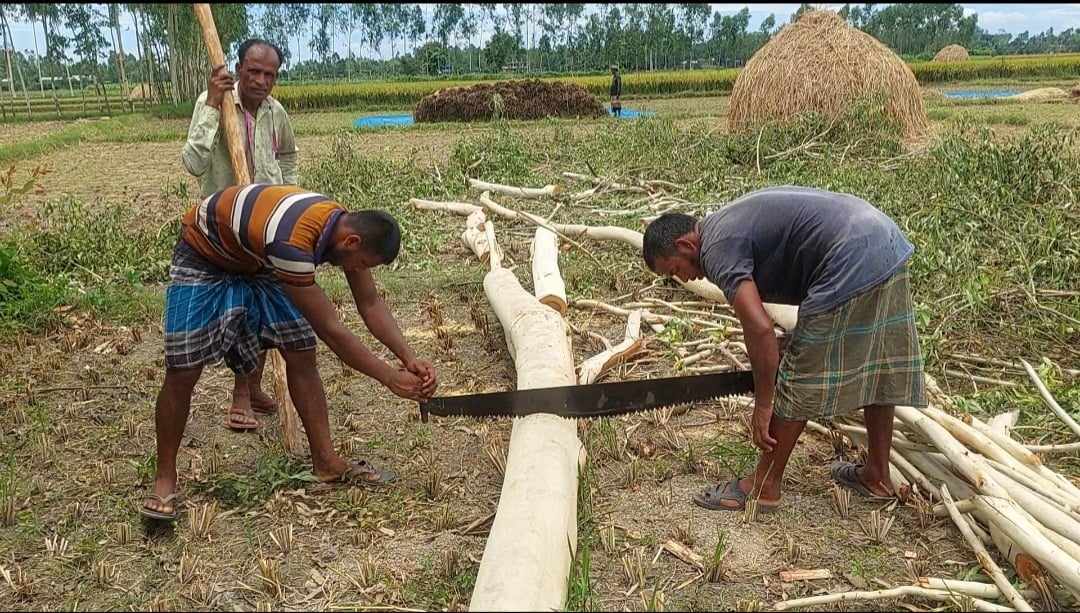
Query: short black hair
[
  {"x": 661, "y": 235},
  {"x": 379, "y": 231},
  {"x": 251, "y": 42}
]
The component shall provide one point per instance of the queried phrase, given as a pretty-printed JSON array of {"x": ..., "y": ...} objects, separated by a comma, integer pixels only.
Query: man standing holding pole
[{"x": 270, "y": 153}]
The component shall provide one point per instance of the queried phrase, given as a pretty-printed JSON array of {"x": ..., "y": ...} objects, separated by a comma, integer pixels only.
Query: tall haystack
[
  {"x": 822, "y": 64},
  {"x": 952, "y": 53}
]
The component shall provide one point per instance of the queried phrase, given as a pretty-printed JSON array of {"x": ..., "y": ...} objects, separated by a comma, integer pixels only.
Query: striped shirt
[{"x": 244, "y": 229}]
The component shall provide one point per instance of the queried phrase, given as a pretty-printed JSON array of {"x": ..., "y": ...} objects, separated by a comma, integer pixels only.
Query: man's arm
[
  {"x": 321, "y": 314},
  {"x": 202, "y": 134},
  {"x": 764, "y": 357},
  {"x": 384, "y": 327},
  {"x": 288, "y": 152},
  {"x": 376, "y": 316},
  {"x": 203, "y": 131}
]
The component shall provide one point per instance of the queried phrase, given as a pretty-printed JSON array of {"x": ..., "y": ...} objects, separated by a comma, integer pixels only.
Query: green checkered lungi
[{"x": 862, "y": 352}]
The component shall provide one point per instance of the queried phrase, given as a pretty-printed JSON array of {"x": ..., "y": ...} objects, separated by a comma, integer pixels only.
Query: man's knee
[
  {"x": 182, "y": 379},
  {"x": 300, "y": 361}
]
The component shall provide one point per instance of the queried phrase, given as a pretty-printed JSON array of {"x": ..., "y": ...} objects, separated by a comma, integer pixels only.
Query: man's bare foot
[{"x": 262, "y": 402}]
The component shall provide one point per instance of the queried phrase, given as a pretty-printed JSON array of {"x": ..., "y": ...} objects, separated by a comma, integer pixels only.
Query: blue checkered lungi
[{"x": 212, "y": 314}]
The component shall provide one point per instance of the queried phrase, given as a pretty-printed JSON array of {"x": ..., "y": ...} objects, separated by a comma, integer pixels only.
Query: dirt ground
[{"x": 77, "y": 427}]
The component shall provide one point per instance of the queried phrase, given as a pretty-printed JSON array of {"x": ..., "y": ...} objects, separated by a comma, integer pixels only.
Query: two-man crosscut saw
[{"x": 594, "y": 400}]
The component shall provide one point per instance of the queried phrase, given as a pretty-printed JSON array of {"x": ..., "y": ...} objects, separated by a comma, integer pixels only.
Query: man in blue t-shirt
[{"x": 844, "y": 263}]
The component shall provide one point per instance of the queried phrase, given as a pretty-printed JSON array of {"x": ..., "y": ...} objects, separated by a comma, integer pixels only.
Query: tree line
[{"x": 81, "y": 44}]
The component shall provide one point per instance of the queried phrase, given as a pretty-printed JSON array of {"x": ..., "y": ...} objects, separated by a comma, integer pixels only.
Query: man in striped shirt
[{"x": 243, "y": 281}]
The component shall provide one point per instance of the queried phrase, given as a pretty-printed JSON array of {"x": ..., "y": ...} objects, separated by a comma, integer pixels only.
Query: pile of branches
[
  {"x": 997, "y": 491},
  {"x": 518, "y": 99}
]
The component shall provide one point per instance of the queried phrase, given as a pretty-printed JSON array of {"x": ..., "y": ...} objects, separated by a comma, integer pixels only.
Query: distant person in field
[
  {"x": 844, "y": 263},
  {"x": 616, "y": 91},
  {"x": 271, "y": 155},
  {"x": 243, "y": 281}
]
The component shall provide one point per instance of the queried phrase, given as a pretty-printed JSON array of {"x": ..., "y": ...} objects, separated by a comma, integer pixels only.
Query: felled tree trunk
[
  {"x": 548, "y": 284},
  {"x": 527, "y": 558}
]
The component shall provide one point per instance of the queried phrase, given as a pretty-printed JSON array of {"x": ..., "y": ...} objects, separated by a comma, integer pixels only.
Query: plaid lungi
[
  {"x": 862, "y": 352},
  {"x": 212, "y": 314}
]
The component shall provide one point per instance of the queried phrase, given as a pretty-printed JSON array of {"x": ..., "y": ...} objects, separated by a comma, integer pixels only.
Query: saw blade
[{"x": 595, "y": 400}]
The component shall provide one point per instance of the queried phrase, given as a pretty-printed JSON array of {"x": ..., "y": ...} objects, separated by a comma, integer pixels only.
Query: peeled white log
[
  {"x": 970, "y": 465},
  {"x": 547, "y": 191},
  {"x": 983, "y": 555},
  {"x": 1050, "y": 402},
  {"x": 987, "y": 448},
  {"x": 905, "y": 591},
  {"x": 784, "y": 315},
  {"x": 936, "y": 472},
  {"x": 548, "y": 284},
  {"x": 1042, "y": 510},
  {"x": 1010, "y": 520},
  {"x": 591, "y": 369},
  {"x": 458, "y": 208},
  {"x": 1003, "y": 440},
  {"x": 527, "y": 557},
  {"x": 475, "y": 237},
  {"x": 631, "y": 237},
  {"x": 1049, "y": 491},
  {"x": 975, "y": 589},
  {"x": 914, "y": 474}
]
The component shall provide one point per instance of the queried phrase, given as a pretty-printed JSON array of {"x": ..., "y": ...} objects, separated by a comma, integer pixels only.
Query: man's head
[
  {"x": 672, "y": 247},
  {"x": 257, "y": 69},
  {"x": 614, "y": 69},
  {"x": 364, "y": 239}
]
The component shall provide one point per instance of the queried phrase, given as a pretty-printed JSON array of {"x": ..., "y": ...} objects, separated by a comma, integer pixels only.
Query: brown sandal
[
  {"x": 242, "y": 424},
  {"x": 146, "y": 511},
  {"x": 363, "y": 472}
]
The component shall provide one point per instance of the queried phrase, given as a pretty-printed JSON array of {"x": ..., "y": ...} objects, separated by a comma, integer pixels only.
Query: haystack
[
  {"x": 519, "y": 99},
  {"x": 822, "y": 64},
  {"x": 952, "y": 53},
  {"x": 1075, "y": 91},
  {"x": 140, "y": 91},
  {"x": 1041, "y": 94}
]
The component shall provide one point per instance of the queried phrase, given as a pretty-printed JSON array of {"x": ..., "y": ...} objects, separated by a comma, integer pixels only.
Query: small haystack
[
  {"x": 1041, "y": 94},
  {"x": 520, "y": 99},
  {"x": 140, "y": 91},
  {"x": 1075, "y": 91},
  {"x": 822, "y": 64},
  {"x": 952, "y": 53}
]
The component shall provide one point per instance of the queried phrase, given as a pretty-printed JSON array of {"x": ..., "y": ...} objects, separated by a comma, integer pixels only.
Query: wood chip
[
  {"x": 911, "y": 555},
  {"x": 387, "y": 531},
  {"x": 791, "y": 576},
  {"x": 684, "y": 553}
]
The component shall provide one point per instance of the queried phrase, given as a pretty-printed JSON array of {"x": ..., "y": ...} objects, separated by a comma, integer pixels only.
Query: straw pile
[
  {"x": 952, "y": 53},
  {"x": 995, "y": 489},
  {"x": 522, "y": 99},
  {"x": 1075, "y": 91},
  {"x": 1041, "y": 94},
  {"x": 822, "y": 64}
]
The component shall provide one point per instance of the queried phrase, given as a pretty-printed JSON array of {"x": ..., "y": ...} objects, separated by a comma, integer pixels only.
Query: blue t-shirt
[{"x": 803, "y": 246}]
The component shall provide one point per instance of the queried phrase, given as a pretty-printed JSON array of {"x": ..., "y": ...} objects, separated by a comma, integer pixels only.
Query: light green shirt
[{"x": 206, "y": 154}]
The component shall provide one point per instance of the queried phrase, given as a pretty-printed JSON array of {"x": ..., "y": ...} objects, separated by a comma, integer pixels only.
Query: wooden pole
[{"x": 290, "y": 421}]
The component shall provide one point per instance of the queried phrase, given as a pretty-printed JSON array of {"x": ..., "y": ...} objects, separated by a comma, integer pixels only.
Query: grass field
[{"x": 988, "y": 199}]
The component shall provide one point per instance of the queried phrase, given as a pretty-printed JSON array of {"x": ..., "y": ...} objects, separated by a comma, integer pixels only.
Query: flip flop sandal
[
  {"x": 363, "y": 472},
  {"x": 174, "y": 498},
  {"x": 846, "y": 474},
  {"x": 710, "y": 498},
  {"x": 240, "y": 426}
]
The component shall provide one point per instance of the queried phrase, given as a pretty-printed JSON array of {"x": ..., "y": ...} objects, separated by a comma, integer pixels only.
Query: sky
[{"x": 1012, "y": 18}]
